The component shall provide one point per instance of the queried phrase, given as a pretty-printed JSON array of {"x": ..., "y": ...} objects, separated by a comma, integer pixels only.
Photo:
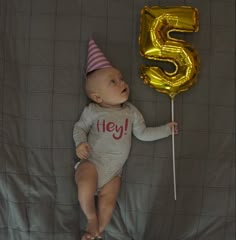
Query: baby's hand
[
  {"x": 82, "y": 150},
  {"x": 173, "y": 125}
]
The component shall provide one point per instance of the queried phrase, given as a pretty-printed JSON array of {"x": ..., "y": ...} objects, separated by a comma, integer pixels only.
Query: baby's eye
[{"x": 113, "y": 81}]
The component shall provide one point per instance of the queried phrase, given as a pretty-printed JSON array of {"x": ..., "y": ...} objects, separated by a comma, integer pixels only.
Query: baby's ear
[{"x": 95, "y": 97}]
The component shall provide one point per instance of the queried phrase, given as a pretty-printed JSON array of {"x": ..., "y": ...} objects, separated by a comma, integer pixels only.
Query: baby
[{"x": 103, "y": 139}]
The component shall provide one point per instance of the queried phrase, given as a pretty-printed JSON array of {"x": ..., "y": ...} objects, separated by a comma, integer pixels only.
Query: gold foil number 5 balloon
[{"x": 156, "y": 43}]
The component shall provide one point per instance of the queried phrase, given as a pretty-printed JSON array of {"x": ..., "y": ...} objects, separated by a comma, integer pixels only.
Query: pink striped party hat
[{"x": 96, "y": 59}]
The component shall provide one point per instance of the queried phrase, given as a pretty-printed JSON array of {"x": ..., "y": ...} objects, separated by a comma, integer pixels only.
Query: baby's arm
[
  {"x": 144, "y": 133},
  {"x": 80, "y": 133}
]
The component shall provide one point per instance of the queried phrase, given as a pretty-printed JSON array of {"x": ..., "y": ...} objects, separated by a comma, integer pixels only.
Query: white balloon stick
[{"x": 173, "y": 146}]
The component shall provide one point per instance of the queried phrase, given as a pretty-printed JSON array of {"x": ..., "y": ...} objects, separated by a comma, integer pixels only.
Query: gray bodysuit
[{"x": 109, "y": 132}]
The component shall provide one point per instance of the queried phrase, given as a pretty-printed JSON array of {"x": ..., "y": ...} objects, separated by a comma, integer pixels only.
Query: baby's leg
[
  {"x": 107, "y": 201},
  {"x": 86, "y": 179}
]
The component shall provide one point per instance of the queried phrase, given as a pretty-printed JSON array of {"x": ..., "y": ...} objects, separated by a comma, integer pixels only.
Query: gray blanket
[{"x": 43, "y": 46}]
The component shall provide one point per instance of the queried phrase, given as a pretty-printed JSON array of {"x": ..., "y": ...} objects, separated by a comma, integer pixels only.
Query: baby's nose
[{"x": 122, "y": 82}]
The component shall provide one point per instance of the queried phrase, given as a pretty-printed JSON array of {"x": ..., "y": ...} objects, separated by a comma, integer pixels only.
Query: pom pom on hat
[{"x": 96, "y": 59}]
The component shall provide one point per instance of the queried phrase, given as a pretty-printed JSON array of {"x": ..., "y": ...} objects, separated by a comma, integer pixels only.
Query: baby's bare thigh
[{"x": 85, "y": 171}]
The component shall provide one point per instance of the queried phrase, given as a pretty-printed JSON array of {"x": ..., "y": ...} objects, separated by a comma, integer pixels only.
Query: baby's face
[{"x": 111, "y": 88}]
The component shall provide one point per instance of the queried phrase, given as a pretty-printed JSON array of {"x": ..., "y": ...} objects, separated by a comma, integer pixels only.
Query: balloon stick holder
[{"x": 173, "y": 145}]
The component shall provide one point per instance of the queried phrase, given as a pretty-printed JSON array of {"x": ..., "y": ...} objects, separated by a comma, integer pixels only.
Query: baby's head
[
  {"x": 106, "y": 87},
  {"x": 104, "y": 84}
]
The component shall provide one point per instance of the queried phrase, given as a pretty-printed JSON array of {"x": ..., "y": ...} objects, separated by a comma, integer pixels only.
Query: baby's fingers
[
  {"x": 88, "y": 147},
  {"x": 174, "y": 127},
  {"x": 81, "y": 154},
  {"x": 86, "y": 151}
]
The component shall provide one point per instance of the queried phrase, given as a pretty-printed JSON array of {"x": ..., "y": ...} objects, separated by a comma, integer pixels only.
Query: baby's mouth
[{"x": 124, "y": 90}]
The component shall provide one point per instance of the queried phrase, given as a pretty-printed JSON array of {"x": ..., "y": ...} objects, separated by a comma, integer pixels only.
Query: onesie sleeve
[
  {"x": 82, "y": 127},
  {"x": 144, "y": 133}
]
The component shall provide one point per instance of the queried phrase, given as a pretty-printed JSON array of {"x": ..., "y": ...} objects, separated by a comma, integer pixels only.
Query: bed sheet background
[{"x": 43, "y": 46}]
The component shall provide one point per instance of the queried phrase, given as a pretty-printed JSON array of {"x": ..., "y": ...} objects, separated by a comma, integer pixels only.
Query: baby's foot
[
  {"x": 91, "y": 231},
  {"x": 99, "y": 238},
  {"x": 86, "y": 236}
]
